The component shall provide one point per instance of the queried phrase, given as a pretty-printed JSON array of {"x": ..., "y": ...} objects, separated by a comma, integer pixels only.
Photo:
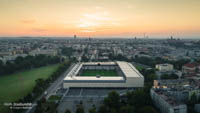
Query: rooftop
[
  {"x": 192, "y": 65},
  {"x": 94, "y": 78},
  {"x": 128, "y": 70}
]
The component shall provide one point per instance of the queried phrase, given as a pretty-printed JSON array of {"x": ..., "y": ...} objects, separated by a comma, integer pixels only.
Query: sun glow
[{"x": 99, "y": 18}]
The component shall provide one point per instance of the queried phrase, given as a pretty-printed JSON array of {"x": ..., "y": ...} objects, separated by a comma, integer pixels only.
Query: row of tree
[
  {"x": 41, "y": 86},
  {"x": 169, "y": 76},
  {"x": 28, "y": 62},
  {"x": 137, "y": 101}
]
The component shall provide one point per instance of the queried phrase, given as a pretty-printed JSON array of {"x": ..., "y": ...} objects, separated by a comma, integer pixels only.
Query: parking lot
[{"x": 88, "y": 98}]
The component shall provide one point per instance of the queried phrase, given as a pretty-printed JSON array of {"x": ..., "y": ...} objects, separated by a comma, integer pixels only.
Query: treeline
[
  {"x": 138, "y": 101},
  {"x": 133, "y": 102},
  {"x": 169, "y": 76},
  {"x": 28, "y": 62},
  {"x": 152, "y": 62},
  {"x": 41, "y": 86}
]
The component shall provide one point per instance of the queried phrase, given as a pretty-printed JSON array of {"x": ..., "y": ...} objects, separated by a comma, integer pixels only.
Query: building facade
[
  {"x": 167, "y": 104},
  {"x": 164, "y": 67}
]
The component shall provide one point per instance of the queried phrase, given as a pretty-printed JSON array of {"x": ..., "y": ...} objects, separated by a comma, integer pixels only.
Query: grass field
[
  {"x": 99, "y": 72},
  {"x": 139, "y": 68},
  {"x": 54, "y": 98},
  {"x": 17, "y": 85}
]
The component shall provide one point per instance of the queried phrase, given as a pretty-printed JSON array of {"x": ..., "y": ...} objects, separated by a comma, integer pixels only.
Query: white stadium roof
[
  {"x": 128, "y": 70},
  {"x": 94, "y": 78},
  {"x": 102, "y": 63}
]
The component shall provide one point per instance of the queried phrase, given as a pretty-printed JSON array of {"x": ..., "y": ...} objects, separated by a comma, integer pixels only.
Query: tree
[
  {"x": 92, "y": 110},
  {"x": 172, "y": 76},
  {"x": 138, "y": 98},
  {"x": 28, "y": 62},
  {"x": 67, "y": 111},
  {"x": 19, "y": 59},
  {"x": 193, "y": 99},
  {"x": 1, "y": 67},
  {"x": 113, "y": 100},
  {"x": 112, "y": 110},
  {"x": 103, "y": 109},
  {"x": 150, "y": 78},
  {"x": 80, "y": 109},
  {"x": 147, "y": 109},
  {"x": 127, "y": 109}
]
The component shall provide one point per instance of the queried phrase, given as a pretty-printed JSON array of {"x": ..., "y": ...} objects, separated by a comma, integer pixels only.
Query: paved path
[{"x": 51, "y": 89}]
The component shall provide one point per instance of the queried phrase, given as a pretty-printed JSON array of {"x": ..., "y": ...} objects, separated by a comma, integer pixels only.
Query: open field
[
  {"x": 99, "y": 72},
  {"x": 138, "y": 67},
  {"x": 17, "y": 85}
]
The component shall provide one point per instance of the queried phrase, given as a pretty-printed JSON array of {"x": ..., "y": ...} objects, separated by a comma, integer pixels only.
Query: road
[
  {"x": 51, "y": 89},
  {"x": 94, "y": 55},
  {"x": 57, "y": 83}
]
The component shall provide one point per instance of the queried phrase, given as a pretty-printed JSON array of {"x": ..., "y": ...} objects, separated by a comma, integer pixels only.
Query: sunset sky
[{"x": 100, "y": 18}]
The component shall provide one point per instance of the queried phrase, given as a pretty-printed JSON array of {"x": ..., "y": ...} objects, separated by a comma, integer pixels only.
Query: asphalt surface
[{"x": 51, "y": 89}]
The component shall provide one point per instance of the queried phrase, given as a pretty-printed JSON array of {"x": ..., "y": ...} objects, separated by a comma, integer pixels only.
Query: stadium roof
[
  {"x": 102, "y": 63},
  {"x": 94, "y": 78},
  {"x": 128, "y": 70}
]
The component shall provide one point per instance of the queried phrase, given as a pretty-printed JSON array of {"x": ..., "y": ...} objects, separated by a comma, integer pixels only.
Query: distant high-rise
[
  {"x": 74, "y": 36},
  {"x": 89, "y": 38},
  {"x": 171, "y": 37}
]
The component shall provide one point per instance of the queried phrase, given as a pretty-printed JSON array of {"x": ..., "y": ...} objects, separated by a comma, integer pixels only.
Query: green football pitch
[{"x": 99, "y": 72}]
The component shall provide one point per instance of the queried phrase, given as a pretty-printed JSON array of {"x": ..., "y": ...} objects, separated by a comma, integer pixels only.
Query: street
[{"x": 50, "y": 89}]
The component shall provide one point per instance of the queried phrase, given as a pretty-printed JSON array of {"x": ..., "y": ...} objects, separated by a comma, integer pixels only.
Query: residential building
[{"x": 164, "y": 67}]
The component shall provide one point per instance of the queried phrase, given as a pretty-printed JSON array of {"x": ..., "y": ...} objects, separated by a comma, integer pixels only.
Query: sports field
[
  {"x": 99, "y": 72},
  {"x": 17, "y": 85}
]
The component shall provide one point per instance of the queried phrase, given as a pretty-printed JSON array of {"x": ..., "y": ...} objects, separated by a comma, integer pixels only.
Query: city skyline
[{"x": 100, "y": 18}]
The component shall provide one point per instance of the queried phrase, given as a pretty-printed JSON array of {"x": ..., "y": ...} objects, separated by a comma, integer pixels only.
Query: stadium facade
[{"x": 127, "y": 76}]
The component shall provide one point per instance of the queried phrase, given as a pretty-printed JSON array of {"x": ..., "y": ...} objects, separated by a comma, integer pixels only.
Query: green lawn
[
  {"x": 99, "y": 72},
  {"x": 17, "y": 85},
  {"x": 139, "y": 68},
  {"x": 54, "y": 98}
]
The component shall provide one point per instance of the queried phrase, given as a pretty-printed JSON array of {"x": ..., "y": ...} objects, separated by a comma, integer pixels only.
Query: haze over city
[{"x": 100, "y": 18}]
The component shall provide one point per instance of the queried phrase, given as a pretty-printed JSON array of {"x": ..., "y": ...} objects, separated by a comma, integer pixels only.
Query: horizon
[
  {"x": 100, "y": 18},
  {"x": 71, "y": 37}
]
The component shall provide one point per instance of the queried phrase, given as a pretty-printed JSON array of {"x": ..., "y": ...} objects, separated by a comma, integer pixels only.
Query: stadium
[{"x": 103, "y": 75}]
